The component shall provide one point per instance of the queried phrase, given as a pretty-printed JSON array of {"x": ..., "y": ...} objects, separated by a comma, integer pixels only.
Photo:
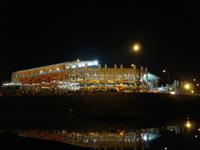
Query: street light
[
  {"x": 121, "y": 133},
  {"x": 165, "y": 75},
  {"x": 132, "y": 65},
  {"x": 188, "y": 124},
  {"x": 187, "y": 86}
]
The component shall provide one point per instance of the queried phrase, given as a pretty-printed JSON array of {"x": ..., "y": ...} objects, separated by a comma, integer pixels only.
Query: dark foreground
[
  {"x": 9, "y": 141},
  {"x": 96, "y": 111}
]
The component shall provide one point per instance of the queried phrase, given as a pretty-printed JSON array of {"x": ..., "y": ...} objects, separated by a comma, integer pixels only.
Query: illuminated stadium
[{"x": 85, "y": 75}]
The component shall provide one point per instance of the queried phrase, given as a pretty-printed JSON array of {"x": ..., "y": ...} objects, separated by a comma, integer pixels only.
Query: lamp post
[
  {"x": 134, "y": 80},
  {"x": 166, "y": 77}
]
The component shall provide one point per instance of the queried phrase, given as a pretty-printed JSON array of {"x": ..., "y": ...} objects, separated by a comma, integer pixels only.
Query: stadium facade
[{"x": 85, "y": 75}]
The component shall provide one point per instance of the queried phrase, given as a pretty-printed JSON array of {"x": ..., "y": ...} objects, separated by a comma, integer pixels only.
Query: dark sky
[{"x": 36, "y": 34}]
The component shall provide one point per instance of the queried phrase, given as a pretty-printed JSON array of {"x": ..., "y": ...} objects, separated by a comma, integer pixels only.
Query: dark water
[
  {"x": 108, "y": 121},
  {"x": 185, "y": 135}
]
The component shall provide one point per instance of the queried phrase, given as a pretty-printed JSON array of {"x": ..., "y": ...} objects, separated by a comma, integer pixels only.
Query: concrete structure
[{"x": 80, "y": 75}]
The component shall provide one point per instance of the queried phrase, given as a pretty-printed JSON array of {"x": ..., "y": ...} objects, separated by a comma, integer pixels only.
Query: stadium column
[
  {"x": 105, "y": 69},
  {"x": 76, "y": 69},
  {"x": 141, "y": 76},
  {"x": 70, "y": 74},
  {"x": 85, "y": 76},
  {"x": 121, "y": 74},
  {"x": 135, "y": 71},
  {"x": 98, "y": 75},
  {"x": 115, "y": 69},
  {"x": 134, "y": 78},
  {"x": 147, "y": 80}
]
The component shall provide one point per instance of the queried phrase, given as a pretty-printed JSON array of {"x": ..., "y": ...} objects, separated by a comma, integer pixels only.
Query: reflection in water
[
  {"x": 122, "y": 139},
  {"x": 100, "y": 140}
]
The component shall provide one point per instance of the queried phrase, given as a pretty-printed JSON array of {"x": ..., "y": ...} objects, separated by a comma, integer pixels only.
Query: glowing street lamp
[
  {"x": 187, "y": 86},
  {"x": 132, "y": 65},
  {"x": 164, "y": 71},
  {"x": 121, "y": 133},
  {"x": 188, "y": 124}
]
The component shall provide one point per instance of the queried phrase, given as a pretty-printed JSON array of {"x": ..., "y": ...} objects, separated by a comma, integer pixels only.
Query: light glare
[
  {"x": 187, "y": 86},
  {"x": 188, "y": 124}
]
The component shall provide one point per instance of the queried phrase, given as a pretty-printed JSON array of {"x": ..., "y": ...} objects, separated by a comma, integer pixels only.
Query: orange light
[
  {"x": 188, "y": 124},
  {"x": 187, "y": 86},
  {"x": 121, "y": 133}
]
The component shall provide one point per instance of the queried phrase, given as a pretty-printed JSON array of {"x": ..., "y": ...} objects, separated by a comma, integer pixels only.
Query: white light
[
  {"x": 80, "y": 64},
  {"x": 69, "y": 86},
  {"x": 73, "y": 66},
  {"x": 11, "y": 84},
  {"x": 172, "y": 92},
  {"x": 93, "y": 63},
  {"x": 41, "y": 71},
  {"x": 149, "y": 135},
  {"x": 96, "y": 62},
  {"x": 145, "y": 138},
  {"x": 57, "y": 69},
  {"x": 83, "y": 65}
]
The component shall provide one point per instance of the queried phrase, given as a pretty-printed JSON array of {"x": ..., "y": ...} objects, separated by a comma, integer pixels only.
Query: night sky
[{"x": 37, "y": 34}]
